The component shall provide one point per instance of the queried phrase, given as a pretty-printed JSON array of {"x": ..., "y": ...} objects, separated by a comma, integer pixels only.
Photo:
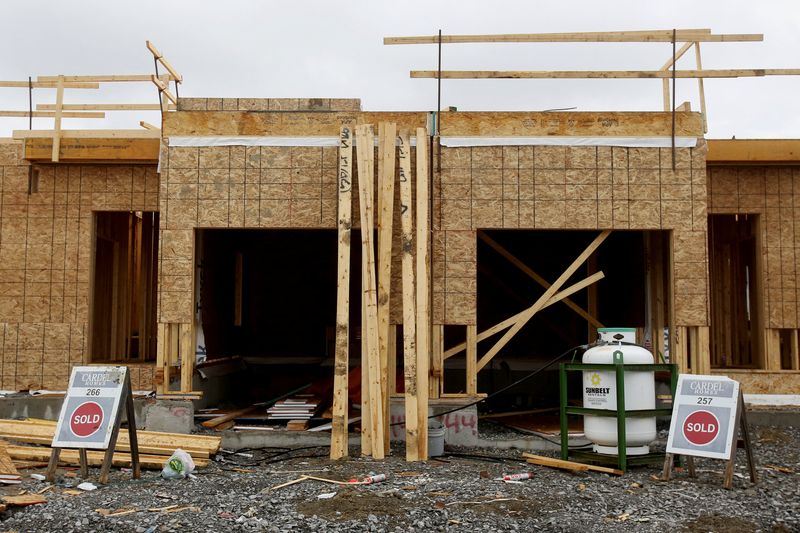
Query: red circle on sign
[
  {"x": 701, "y": 428},
  {"x": 86, "y": 419}
]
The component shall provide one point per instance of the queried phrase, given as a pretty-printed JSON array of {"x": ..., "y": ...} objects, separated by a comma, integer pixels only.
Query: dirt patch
[
  {"x": 769, "y": 435},
  {"x": 350, "y": 504},
  {"x": 719, "y": 524},
  {"x": 505, "y": 507}
]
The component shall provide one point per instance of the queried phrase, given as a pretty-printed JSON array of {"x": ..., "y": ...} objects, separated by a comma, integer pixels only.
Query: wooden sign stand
[
  {"x": 105, "y": 468},
  {"x": 736, "y": 443}
]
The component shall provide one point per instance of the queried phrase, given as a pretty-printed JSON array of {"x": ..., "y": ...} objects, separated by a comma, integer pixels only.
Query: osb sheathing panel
[
  {"x": 269, "y": 104},
  {"x": 556, "y": 187},
  {"x": 45, "y": 262},
  {"x": 760, "y": 382},
  {"x": 772, "y": 193}
]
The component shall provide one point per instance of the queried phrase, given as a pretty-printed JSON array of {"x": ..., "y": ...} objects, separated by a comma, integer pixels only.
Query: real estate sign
[
  {"x": 90, "y": 407},
  {"x": 704, "y": 416}
]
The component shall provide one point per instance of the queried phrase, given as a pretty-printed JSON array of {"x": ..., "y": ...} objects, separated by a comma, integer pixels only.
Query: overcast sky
[{"x": 323, "y": 48}]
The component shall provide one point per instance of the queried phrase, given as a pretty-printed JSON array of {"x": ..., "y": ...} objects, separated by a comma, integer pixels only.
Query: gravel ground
[{"x": 457, "y": 493}]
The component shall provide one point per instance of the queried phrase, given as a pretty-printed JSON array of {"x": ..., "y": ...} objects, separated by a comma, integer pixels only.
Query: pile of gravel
[{"x": 460, "y": 492}]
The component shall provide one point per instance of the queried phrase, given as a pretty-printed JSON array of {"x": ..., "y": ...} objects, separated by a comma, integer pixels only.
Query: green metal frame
[{"x": 619, "y": 368}]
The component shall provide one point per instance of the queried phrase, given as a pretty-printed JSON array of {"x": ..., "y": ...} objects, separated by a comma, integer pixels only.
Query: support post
[
  {"x": 472, "y": 359},
  {"x": 423, "y": 287},
  {"x": 342, "y": 363}
]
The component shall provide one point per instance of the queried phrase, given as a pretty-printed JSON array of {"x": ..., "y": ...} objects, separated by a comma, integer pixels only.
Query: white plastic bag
[{"x": 178, "y": 466}]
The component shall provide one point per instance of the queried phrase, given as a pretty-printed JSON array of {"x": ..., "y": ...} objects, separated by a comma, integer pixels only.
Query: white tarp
[{"x": 630, "y": 142}]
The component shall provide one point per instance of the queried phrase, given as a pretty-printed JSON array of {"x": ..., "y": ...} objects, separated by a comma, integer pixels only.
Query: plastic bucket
[{"x": 435, "y": 440}]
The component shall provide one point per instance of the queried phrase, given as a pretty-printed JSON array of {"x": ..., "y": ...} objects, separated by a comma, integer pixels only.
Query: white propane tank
[{"x": 600, "y": 392}]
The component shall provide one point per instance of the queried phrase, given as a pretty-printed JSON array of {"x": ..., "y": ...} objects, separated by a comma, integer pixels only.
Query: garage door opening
[
  {"x": 268, "y": 298},
  {"x": 513, "y": 266}
]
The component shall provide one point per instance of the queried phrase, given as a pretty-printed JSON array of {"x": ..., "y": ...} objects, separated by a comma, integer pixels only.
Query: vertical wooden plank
[
  {"x": 387, "y": 133},
  {"x": 795, "y": 350},
  {"x": 472, "y": 359},
  {"x": 162, "y": 360},
  {"x": 437, "y": 361},
  {"x": 773, "y": 342},
  {"x": 133, "y": 438},
  {"x": 703, "y": 357},
  {"x": 391, "y": 369},
  {"x": 57, "y": 121},
  {"x": 188, "y": 356},
  {"x": 366, "y": 436},
  {"x": 591, "y": 298},
  {"x": 342, "y": 363},
  {"x": 423, "y": 287},
  {"x": 694, "y": 349},
  {"x": 679, "y": 348},
  {"x": 409, "y": 300},
  {"x": 366, "y": 165}
]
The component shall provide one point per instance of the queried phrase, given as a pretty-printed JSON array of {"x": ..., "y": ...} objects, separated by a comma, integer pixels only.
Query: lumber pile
[
  {"x": 298, "y": 407},
  {"x": 154, "y": 447}
]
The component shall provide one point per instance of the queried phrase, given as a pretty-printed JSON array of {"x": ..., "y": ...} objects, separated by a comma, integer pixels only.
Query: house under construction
[{"x": 233, "y": 234}]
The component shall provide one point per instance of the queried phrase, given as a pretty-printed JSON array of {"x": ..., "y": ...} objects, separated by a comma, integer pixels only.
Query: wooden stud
[
  {"x": 366, "y": 165},
  {"x": 795, "y": 350},
  {"x": 409, "y": 299},
  {"x": 110, "y": 78},
  {"x": 602, "y": 74},
  {"x": 472, "y": 359},
  {"x": 188, "y": 357},
  {"x": 663, "y": 36},
  {"x": 162, "y": 87},
  {"x": 50, "y": 474},
  {"x": 702, "y": 357},
  {"x": 57, "y": 119},
  {"x": 773, "y": 345},
  {"x": 162, "y": 358},
  {"x": 423, "y": 288},
  {"x": 437, "y": 361},
  {"x": 341, "y": 367},
  {"x": 535, "y": 308},
  {"x": 536, "y": 277},
  {"x": 680, "y": 345},
  {"x": 391, "y": 369},
  {"x": 147, "y": 125},
  {"x": 387, "y": 133}
]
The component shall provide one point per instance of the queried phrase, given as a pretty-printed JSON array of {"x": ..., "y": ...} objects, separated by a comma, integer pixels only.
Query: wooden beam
[
  {"x": 57, "y": 118},
  {"x": 101, "y": 107},
  {"x": 47, "y": 85},
  {"x": 663, "y": 36},
  {"x": 161, "y": 59},
  {"x": 603, "y": 74},
  {"x": 423, "y": 288},
  {"x": 110, "y": 78},
  {"x": 162, "y": 87},
  {"x": 510, "y": 321},
  {"x": 387, "y": 133},
  {"x": 49, "y": 114},
  {"x": 409, "y": 299},
  {"x": 536, "y": 277},
  {"x": 106, "y": 150},
  {"x": 88, "y": 134},
  {"x": 436, "y": 374},
  {"x": 364, "y": 147},
  {"x": 148, "y": 126},
  {"x": 753, "y": 151},
  {"x": 341, "y": 366},
  {"x": 535, "y": 308}
]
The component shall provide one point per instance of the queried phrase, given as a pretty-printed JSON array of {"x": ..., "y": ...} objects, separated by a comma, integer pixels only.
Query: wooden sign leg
[
  {"x": 51, "y": 466},
  {"x": 746, "y": 436},
  {"x": 132, "y": 437},
  {"x": 84, "y": 462},
  {"x": 728, "y": 479},
  {"x": 690, "y": 466},
  {"x": 667, "y": 472}
]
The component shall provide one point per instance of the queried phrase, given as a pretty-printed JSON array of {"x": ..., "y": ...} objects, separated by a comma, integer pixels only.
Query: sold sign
[
  {"x": 701, "y": 428},
  {"x": 86, "y": 419}
]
